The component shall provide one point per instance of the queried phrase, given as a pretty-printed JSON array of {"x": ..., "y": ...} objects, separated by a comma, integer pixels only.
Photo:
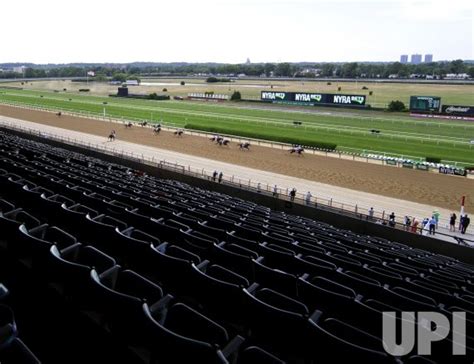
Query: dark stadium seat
[
  {"x": 256, "y": 355},
  {"x": 71, "y": 268},
  {"x": 132, "y": 246},
  {"x": 324, "y": 294},
  {"x": 8, "y": 328},
  {"x": 280, "y": 321},
  {"x": 220, "y": 290},
  {"x": 235, "y": 257},
  {"x": 337, "y": 341},
  {"x": 100, "y": 230},
  {"x": 18, "y": 353},
  {"x": 272, "y": 277},
  {"x": 171, "y": 265},
  {"x": 197, "y": 242},
  {"x": 362, "y": 284},
  {"x": 120, "y": 295},
  {"x": 72, "y": 217},
  {"x": 406, "y": 299},
  {"x": 6, "y": 206},
  {"x": 34, "y": 243},
  {"x": 176, "y": 340},
  {"x": 383, "y": 275},
  {"x": 10, "y": 222}
]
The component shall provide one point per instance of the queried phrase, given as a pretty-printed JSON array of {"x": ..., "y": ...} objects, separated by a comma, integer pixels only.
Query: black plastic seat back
[
  {"x": 256, "y": 355},
  {"x": 176, "y": 348},
  {"x": 340, "y": 340},
  {"x": 10, "y": 222}
]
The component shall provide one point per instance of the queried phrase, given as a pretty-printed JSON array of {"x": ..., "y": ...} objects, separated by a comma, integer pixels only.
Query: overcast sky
[{"x": 54, "y": 31}]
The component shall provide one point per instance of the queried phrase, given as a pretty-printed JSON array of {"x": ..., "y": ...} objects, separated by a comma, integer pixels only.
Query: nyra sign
[
  {"x": 307, "y": 97},
  {"x": 349, "y": 99},
  {"x": 270, "y": 95}
]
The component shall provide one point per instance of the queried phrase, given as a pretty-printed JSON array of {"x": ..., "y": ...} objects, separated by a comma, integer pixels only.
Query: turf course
[{"x": 399, "y": 135}]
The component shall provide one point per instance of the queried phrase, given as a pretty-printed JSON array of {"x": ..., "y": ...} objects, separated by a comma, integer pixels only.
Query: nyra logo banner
[
  {"x": 313, "y": 98},
  {"x": 349, "y": 99},
  {"x": 306, "y": 97},
  {"x": 270, "y": 95}
]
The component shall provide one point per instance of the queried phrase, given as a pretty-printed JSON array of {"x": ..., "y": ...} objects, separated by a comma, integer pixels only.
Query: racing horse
[
  {"x": 297, "y": 149},
  {"x": 156, "y": 129},
  {"x": 223, "y": 142},
  {"x": 244, "y": 146},
  {"x": 128, "y": 125},
  {"x": 143, "y": 123},
  {"x": 58, "y": 114},
  {"x": 179, "y": 132}
]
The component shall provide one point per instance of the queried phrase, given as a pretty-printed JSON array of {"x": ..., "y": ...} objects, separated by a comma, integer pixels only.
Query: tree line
[{"x": 346, "y": 70}]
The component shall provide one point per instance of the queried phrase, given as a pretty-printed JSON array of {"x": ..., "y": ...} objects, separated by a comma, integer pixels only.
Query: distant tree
[
  {"x": 100, "y": 77},
  {"x": 122, "y": 77},
  {"x": 396, "y": 106},
  {"x": 268, "y": 69},
  {"x": 283, "y": 69},
  {"x": 236, "y": 96},
  {"x": 470, "y": 71},
  {"x": 350, "y": 70},
  {"x": 327, "y": 70},
  {"x": 457, "y": 66}
]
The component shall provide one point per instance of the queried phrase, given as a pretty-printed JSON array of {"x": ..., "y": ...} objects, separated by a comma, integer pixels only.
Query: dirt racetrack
[{"x": 412, "y": 185}]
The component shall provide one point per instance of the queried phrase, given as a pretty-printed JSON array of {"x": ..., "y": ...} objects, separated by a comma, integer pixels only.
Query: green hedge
[
  {"x": 257, "y": 135},
  {"x": 433, "y": 159},
  {"x": 215, "y": 79},
  {"x": 154, "y": 96}
]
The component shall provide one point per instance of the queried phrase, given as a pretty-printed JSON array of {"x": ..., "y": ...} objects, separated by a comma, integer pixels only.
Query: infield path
[{"x": 347, "y": 196}]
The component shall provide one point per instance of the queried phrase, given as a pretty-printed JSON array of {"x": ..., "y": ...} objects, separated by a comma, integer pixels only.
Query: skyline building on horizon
[
  {"x": 428, "y": 58},
  {"x": 404, "y": 58},
  {"x": 416, "y": 58}
]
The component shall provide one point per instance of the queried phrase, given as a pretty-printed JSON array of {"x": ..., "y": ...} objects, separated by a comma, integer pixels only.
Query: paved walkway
[{"x": 345, "y": 196}]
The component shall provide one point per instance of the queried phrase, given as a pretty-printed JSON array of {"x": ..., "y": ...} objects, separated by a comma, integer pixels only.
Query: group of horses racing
[
  {"x": 156, "y": 130},
  {"x": 218, "y": 139},
  {"x": 221, "y": 141}
]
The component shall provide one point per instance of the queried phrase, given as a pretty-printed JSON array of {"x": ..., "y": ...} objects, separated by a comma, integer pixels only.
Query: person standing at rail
[
  {"x": 275, "y": 191},
  {"x": 465, "y": 224},
  {"x": 432, "y": 225},
  {"x": 452, "y": 222},
  {"x": 292, "y": 194}
]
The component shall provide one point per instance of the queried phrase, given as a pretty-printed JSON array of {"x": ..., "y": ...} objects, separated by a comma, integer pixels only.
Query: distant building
[
  {"x": 404, "y": 58},
  {"x": 20, "y": 69},
  {"x": 428, "y": 58},
  {"x": 416, "y": 58},
  {"x": 456, "y": 76},
  {"x": 132, "y": 83},
  {"x": 248, "y": 61}
]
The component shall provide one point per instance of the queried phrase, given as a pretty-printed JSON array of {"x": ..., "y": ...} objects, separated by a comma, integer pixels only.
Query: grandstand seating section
[{"x": 154, "y": 270}]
